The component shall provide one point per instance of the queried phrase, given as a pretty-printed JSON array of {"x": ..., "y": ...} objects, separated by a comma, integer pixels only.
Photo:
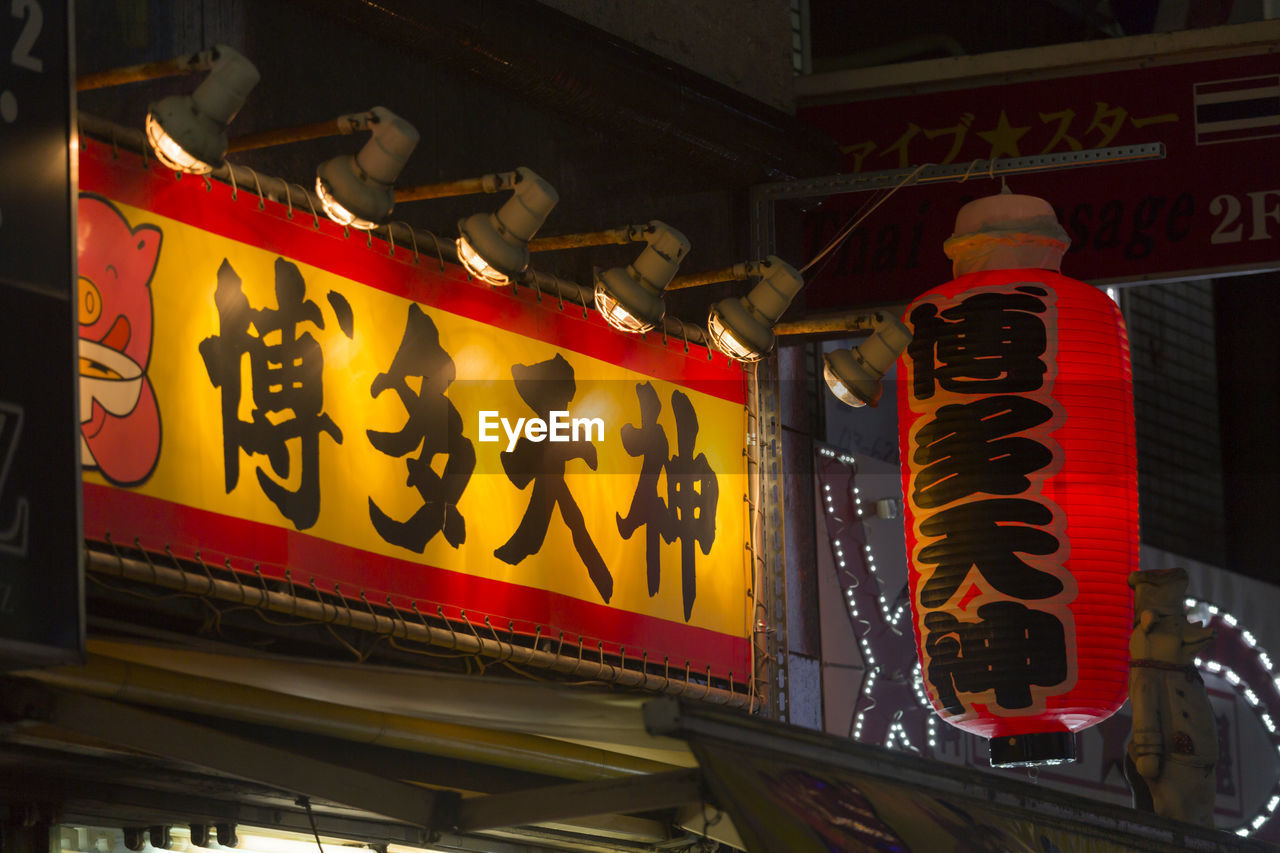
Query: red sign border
[{"x": 128, "y": 518}]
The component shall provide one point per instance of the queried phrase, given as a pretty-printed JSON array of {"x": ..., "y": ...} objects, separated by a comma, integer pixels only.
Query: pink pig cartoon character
[{"x": 119, "y": 418}]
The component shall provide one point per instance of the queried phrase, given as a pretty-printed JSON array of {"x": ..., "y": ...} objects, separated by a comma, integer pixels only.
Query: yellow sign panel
[{"x": 289, "y": 396}]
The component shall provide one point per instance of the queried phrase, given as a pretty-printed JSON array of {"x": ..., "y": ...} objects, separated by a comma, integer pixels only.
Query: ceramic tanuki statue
[{"x": 1170, "y": 761}]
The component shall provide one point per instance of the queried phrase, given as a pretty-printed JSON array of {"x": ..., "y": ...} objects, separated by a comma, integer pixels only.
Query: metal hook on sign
[
  {"x": 262, "y": 582},
  {"x": 262, "y": 202},
  {"x": 226, "y": 564},
  {"x": 448, "y": 624},
  {"x": 288, "y": 197},
  {"x": 208, "y": 574},
  {"x": 324, "y": 605},
  {"x": 315, "y": 218},
  {"x": 396, "y": 614},
  {"x": 440, "y": 254},
  {"x": 235, "y": 191},
  {"x": 168, "y": 550},
  {"x": 377, "y": 620},
  {"x": 489, "y": 624},
  {"x": 146, "y": 556},
  {"x": 337, "y": 590},
  {"x": 413, "y": 237}
]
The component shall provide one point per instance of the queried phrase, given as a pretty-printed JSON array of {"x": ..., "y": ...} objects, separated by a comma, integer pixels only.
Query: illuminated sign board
[{"x": 258, "y": 387}]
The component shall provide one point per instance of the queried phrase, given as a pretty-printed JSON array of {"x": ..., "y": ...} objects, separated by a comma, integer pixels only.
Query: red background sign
[{"x": 1212, "y": 205}]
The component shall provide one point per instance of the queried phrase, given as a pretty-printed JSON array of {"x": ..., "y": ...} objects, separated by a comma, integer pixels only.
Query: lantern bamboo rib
[{"x": 176, "y": 578}]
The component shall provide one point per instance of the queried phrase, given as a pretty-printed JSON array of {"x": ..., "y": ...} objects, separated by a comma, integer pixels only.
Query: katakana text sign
[
  {"x": 273, "y": 392},
  {"x": 1205, "y": 207}
]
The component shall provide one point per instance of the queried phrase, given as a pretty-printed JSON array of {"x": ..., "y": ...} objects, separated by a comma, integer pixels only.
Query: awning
[{"x": 425, "y": 758}]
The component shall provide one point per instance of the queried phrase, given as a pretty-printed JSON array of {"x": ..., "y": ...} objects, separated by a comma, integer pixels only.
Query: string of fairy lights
[{"x": 1266, "y": 707}]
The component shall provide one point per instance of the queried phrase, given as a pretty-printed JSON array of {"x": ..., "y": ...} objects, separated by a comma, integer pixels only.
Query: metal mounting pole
[{"x": 996, "y": 167}]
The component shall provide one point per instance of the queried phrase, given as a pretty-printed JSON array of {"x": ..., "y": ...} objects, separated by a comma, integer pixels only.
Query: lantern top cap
[
  {"x": 1006, "y": 231},
  {"x": 1000, "y": 210}
]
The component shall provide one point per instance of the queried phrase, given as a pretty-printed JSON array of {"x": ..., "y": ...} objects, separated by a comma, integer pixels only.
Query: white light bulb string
[{"x": 1265, "y": 706}]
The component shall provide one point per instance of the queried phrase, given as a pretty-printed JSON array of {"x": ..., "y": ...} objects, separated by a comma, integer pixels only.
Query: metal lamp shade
[{"x": 188, "y": 132}]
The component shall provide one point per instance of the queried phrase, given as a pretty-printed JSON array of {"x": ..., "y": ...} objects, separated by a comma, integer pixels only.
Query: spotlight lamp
[
  {"x": 189, "y": 132},
  {"x": 358, "y": 191},
  {"x": 854, "y": 375},
  {"x": 630, "y": 297},
  {"x": 495, "y": 246},
  {"x": 742, "y": 328}
]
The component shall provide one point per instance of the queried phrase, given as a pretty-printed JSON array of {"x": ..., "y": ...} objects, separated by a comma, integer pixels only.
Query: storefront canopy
[{"x": 477, "y": 763}]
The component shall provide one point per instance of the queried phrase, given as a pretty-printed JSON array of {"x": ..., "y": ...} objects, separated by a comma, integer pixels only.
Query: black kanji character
[
  {"x": 433, "y": 426},
  {"x": 991, "y": 343},
  {"x": 649, "y": 440},
  {"x": 1011, "y": 649},
  {"x": 970, "y": 448},
  {"x": 693, "y": 492},
  {"x": 546, "y": 387},
  {"x": 988, "y": 535},
  {"x": 692, "y": 495},
  {"x": 286, "y": 379}
]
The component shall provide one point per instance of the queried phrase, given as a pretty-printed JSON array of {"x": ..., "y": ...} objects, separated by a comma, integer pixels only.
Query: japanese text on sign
[{"x": 991, "y": 545}]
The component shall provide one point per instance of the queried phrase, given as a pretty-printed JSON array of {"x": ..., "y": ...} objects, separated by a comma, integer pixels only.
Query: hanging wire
[
  {"x": 305, "y": 802},
  {"x": 861, "y": 216}
]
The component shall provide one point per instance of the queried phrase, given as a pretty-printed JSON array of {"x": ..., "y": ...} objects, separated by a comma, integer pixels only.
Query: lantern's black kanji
[
  {"x": 987, "y": 535},
  {"x": 1010, "y": 650},
  {"x": 990, "y": 343},
  {"x": 971, "y": 448}
]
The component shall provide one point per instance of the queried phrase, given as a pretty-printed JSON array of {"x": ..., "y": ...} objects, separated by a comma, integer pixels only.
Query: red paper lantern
[{"x": 1017, "y": 438}]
